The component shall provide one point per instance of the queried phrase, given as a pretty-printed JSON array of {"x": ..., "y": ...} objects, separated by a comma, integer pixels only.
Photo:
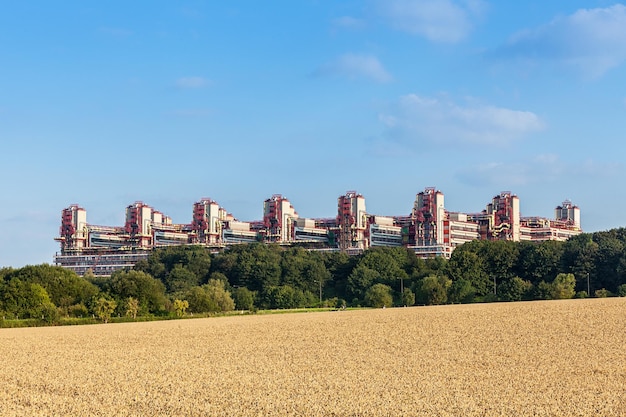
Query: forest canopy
[{"x": 190, "y": 279}]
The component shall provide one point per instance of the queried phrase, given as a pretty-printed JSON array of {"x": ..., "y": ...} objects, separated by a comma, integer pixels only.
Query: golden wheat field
[{"x": 550, "y": 358}]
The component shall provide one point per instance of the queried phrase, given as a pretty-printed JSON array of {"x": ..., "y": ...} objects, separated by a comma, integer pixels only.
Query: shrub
[{"x": 603, "y": 293}]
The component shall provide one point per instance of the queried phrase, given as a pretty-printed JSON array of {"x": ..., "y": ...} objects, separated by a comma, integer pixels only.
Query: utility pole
[{"x": 588, "y": 287}]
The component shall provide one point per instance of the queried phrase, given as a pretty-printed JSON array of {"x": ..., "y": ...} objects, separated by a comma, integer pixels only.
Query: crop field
[{"x": 547, "y": 358}]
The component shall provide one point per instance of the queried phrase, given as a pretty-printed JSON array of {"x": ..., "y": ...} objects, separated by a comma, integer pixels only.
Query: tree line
[{"x": 178, "y": 280}]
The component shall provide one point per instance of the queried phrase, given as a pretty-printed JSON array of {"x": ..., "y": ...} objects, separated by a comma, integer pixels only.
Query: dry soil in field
[{"x": 554, "y": 358}]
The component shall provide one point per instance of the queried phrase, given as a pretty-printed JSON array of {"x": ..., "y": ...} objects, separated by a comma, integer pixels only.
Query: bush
[
  {"x": 621, "y": 290},
  {"x": 432, "y": 290},
  {"x": 77, "y": 310},
  {"x": 603, "y": 293},
  {"x": 379, "y": 295}
]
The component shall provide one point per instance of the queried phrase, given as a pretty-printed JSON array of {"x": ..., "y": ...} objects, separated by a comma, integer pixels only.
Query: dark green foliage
[
  {"x": 340, "y": 266},
  {"x": 461, "y": 291},
  {"x": 180, "y": 279},
  {"x": 540, "y": 261},
  {"x": 359, "y": 281},
  {"x": 515, "y": 289},
  {"x": 285, "y": 296},
  {"x": 408, "y": 297},
  {"x": 149, "y": 292},
  {"x": 178, "y": 267},
  {"x": 21, "y": 299},
  {"x": 542, "y": 291},
  {"x": 387, "y": 263},
  {"x": 432, "y": 290},
  {"x": 269, "y": 276},
  {"x": 64, "y": 287},
  {"x": 254, "y": 266},
  {"x": 244, "y": 298},
  {"x": 209, "y": 298},
  {"x": 468, "y": 265}
]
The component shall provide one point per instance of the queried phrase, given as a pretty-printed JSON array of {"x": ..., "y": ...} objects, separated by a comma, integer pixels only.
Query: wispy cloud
[
  {"x": 355, "y": 66},
  {"x": 414, "y": 119},
  {"x": 192, "y": 82},
  {"x": 191, "y": 13},
  {"x": 439, "y": 21},
  {"x": 197, "y": 113},
  {"x": 348, "y": 22},
  {"x": 591, "y": 40},
  {"x": 116, "y": 32},
  {"x": 541, "y": 169}
]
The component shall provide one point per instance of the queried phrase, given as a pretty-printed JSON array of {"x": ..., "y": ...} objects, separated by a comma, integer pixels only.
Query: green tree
[
  {"x": 149, "y": 291},
  {"x": 104, "y": 307},
  {"x": 563, "y": 286},
  {"x": 379, "y": 295},
  {"x": 216, "y": 289},
  {"x": 408, "y": 297},
  {"x": 199, "y": 301},
  {"x": 540, "y": 261},
  {"x": 607, "y": 260},
  {"x": 387, "y": 262},
  {"x": 285, "y": 296},
  {"x": 360, "y": 280},
  {"x": 180, "y": 279},
  {"x": 461, "y": 291},
  {"x": 339, "y": 265},
  {"x": 433, "y": 290},
  {"x": 64, "y": 287},
  {"x": 180, "y": 307},
  {"x": 244, "y": 298},
  {"x": 27, "y": 300},
  {"x": 466, "y": 264},
  {"x": 254, "y": 266},
  {"x": 543, "y": 291},
  {"x": 132, "y": 307},
  {"x": 515, "y": 289},
  {"x": 211, "y": 297},
  {"x": 499, "y": 258}
]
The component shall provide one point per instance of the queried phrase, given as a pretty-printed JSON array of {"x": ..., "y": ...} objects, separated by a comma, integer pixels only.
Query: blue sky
[{"x": 107, "y": 103}]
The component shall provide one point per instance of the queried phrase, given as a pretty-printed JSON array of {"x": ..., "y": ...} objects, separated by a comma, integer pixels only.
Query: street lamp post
[{"x": 320, "y": 282}]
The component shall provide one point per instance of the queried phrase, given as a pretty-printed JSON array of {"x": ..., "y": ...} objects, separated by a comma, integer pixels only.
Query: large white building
[{"x": 429, "y": 230}]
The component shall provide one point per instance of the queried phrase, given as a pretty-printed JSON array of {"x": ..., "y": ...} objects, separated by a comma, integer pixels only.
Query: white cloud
[
  {"x": 192, "y": 82},
  {"x": 591, "y": 40},
  {"x": 415, "y": 119},
  {"x": 355, "y": 66},
  {"x": 541, "y": 169},
  {"x": 200, "y": 112},
  {"x": 116, "y": 32},
  {"x": 348, "y": 22},
  {"x": 439, "y": 21}
]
